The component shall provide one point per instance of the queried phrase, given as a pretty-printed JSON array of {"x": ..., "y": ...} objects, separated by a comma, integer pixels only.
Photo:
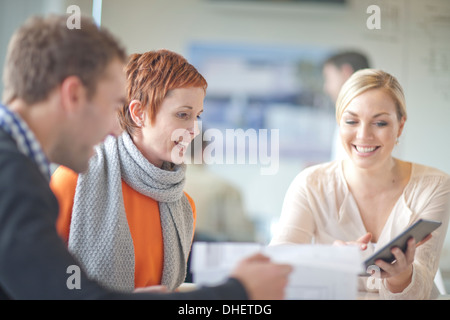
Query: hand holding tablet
[{"x": 419, "y": 231}]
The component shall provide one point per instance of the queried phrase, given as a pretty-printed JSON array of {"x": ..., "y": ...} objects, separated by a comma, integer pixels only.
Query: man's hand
[{"x": 263, "y": 279}]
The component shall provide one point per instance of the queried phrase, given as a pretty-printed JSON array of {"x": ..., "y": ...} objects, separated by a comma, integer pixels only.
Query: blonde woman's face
[{"x": 369, "y": 128}]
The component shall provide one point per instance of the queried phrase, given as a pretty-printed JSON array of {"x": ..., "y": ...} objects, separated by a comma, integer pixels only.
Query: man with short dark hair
[
  {"x": 62, "y": 90},
  {"x": 339, "y": 67}
]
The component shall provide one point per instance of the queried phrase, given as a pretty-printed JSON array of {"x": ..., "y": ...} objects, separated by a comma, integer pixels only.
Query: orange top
[{"x": 143, "y": 220}]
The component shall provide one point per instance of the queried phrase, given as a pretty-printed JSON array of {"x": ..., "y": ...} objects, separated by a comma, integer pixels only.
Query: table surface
[{"x": 362, "y": 295}]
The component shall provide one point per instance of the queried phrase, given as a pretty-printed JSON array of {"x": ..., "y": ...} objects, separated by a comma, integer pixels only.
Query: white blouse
[{"x": 318, "y": 207}]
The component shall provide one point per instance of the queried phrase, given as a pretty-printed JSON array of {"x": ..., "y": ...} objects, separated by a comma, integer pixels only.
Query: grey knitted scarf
[{"x": 99, "y": 234}]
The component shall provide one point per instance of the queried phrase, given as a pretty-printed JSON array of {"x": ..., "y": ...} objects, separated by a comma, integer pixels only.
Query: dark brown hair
[{"x": 355, "y": 59}]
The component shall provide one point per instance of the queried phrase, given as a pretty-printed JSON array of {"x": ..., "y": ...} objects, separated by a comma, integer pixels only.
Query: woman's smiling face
[
  {"x": 369, "y": 128},
  {"x": 175, "y": 126}
]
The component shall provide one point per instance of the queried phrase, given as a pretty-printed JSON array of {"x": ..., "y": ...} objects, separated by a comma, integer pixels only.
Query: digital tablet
[{"x": 419, "y": 230}]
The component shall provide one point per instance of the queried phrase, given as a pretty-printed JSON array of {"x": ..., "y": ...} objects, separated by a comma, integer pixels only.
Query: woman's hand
[
  {"x": 158, "y": 289},
  {"x": 398, "y": 274},
  {"x": 361, "y": 242}
]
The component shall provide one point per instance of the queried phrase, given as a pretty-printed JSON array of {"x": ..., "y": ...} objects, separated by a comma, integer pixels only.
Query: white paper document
[{"x": 321, "y": 272}]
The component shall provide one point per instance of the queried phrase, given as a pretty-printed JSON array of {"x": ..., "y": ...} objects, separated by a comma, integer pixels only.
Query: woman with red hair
[{"x": 127, "y": 219}]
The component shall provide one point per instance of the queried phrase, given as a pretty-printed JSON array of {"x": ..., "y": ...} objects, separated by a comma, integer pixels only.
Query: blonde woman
[{"x": 371, "y": 196}]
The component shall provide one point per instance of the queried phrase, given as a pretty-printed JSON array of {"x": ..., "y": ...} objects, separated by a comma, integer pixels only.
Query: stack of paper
[{"x": 320, "y": 271}]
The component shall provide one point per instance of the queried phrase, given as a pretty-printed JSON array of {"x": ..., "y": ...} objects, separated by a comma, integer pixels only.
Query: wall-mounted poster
[{"x": 277, "y": 89}]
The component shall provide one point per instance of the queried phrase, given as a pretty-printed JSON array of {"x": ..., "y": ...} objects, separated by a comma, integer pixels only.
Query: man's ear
[
  {"x": 73, "y": 94},
  {"x": 137, "y": 112}
]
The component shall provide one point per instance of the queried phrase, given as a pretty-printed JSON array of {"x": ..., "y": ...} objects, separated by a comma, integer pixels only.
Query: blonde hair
[{"x": 367, "y": 79}]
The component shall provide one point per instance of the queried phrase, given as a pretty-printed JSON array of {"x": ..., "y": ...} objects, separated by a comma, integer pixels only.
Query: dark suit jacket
[{"x": 34, "y": 260}]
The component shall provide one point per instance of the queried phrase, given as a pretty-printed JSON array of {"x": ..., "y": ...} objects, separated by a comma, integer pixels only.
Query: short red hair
[{"x": 150, "y": 76}]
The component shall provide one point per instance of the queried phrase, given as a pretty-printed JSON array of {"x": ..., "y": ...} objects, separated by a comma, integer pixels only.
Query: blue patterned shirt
[{"x": 25, "y": 139}]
